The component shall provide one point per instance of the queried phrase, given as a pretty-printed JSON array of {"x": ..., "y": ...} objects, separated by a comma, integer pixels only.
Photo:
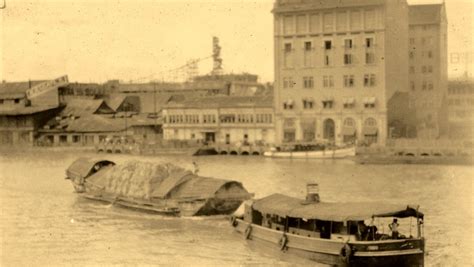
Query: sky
[{"x": 139, "y": 41}]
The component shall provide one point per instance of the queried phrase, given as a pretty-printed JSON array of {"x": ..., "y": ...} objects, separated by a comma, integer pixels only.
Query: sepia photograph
[{"x": 236, "y": 133}]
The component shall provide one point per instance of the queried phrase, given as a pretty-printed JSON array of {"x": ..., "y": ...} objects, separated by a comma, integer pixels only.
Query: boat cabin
[{"x": 347, "y": 222}]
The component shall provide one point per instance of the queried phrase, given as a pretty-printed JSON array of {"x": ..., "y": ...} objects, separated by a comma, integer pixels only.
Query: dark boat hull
[{"x": 325, "y": 251}]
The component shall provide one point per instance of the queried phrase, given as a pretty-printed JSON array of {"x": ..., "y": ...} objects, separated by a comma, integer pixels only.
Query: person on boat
[
  {"x": 362, "y": 230},
  {"x": 394, "y": 228}
]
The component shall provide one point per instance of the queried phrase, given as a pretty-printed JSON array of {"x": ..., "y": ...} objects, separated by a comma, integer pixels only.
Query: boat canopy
[
  {"x": 82, "y": 167},
  {"x": 284, "y": 206}
]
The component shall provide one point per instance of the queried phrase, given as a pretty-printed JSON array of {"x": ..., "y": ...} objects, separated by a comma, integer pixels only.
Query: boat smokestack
[{"x": 312, "y": 193}]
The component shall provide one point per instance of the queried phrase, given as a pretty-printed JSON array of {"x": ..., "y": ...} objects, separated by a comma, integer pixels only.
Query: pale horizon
[{"x": 96, "y": 41}]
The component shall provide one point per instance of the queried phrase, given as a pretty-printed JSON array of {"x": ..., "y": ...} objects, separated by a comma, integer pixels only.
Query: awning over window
[
  {"x": 327, "y": 98},
  {"x": 369, "y": 131},
  {"x": 369, "y": 100},
  {"x": 348, "y": 131},
  {"x": 348, "y": 100}
]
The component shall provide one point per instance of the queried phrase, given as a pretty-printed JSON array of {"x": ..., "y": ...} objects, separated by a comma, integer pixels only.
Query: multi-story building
[
  {"x": 428, "y": 68},
  {"x": 223, "y": 120},
  {"x": 461, "y": 109},
  {"x": 336, "y": 65},
  {"x": 25, "y": 107}
]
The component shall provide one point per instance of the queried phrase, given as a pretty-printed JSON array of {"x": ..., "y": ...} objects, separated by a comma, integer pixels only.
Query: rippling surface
[{"x": 44, "y": 223}]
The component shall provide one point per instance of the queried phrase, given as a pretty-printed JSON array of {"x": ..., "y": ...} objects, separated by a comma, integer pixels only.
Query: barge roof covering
[
  {"x": 83, "y": 166},
  {"x": 283, "y": 206}
]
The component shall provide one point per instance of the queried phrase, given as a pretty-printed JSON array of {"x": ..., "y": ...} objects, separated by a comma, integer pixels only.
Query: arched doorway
[
  {"x": 329, "y": 130},
  {"x": 349, "y": 131},
  {"x": 370, "y": 131}
]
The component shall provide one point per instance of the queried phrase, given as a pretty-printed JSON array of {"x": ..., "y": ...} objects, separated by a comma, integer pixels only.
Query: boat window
[
  {"x": 325, "y": 228},
  {"x": 257, "y": 217},
  {"x": 338, "y": 227}
]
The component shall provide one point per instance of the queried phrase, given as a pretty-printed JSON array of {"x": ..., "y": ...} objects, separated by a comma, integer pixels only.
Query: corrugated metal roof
[
  {"x": 83, "y": 107},
  {"x": 96, "y": 123},
  {"x": 224, "y": 101},
  {"x": 283, "y": 206},
  {"x": 148, "y": 100},
  {"x": 114, "y": 101}
]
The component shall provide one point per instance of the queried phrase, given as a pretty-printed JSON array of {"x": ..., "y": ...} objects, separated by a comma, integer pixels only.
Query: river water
[{"x": 44, "y": 223}]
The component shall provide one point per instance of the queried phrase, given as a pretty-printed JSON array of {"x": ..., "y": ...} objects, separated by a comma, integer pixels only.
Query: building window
[
  {"x": 288, "y": 56},
  {"x": 412, "y": 41},
  {"x": 430, "y": 69},
  {"x": 308, "y": 104},
  {"x": 369, "y": 80},
  {"x": 349, "y": 103},
  {"x": 17, "y": 100},
  {"x": 328, "y": 104},
  {"x": 430, "y": 86},
  {"x": 412, "y": 85},
  {"x": 288, "y": 82},
  {"x": 308, "y": 82},
  {"x": 1, "y": 101},
  {"x": 328, "y": 81},
  {"x": 288, "y": 25},
  {"x": 430, "y": 54},
  {"x": 348, "y": 80},
  {"x": 347, "y": 59},
  {"x": 348, "y": 43},
  {"x": 76, "y": 138},
  {"x": 301, "y": 24},
  {"x": 327, "y": 45},
  {"x": 369, "y": 58},
  {"x": 424, "y": 85},
  {"x": 371, "y": 122},
  {"x": 308, "y": 48},
  {"x": 369, "y": 102},
  {"x": 423, "y": 69},
  {"x": 412, "y": 69},
  {"x": 326, "y": 60},
  {"x": 412, "y": 54},
  {"x": 288, "y": 105},
  {"x": 369, "y": 105},
  {"x": 369, "y": 42}
]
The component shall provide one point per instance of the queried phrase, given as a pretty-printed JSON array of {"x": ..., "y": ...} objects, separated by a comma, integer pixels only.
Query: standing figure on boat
[{"x": 394, "y": 228}]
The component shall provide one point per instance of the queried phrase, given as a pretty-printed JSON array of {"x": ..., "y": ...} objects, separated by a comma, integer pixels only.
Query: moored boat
[
  {"x": 158, "y": 188},
  {"x": 312, "y": 153},
  {"x": 411, "y": 159},
  {"x": 332, "y": 233}
]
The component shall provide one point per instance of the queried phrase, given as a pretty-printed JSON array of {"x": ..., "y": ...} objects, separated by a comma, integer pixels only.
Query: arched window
[
  {"x": 370, "y": 122},
  {"x": 349, "y": 122}
]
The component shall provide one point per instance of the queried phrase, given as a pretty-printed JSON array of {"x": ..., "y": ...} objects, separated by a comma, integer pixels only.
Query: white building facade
[
  {"x": 221, "y": 120},
  {"x": 336, "y": 65}
]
